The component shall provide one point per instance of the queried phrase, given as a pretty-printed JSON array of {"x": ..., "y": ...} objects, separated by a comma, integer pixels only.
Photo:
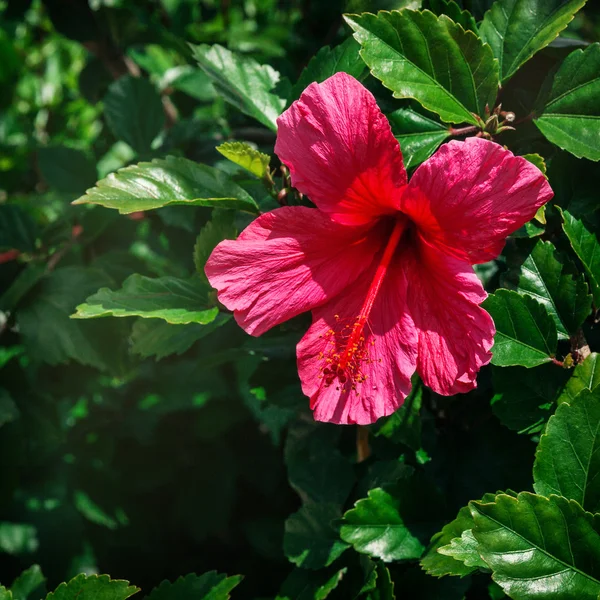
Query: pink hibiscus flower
[{"x": 384, "y": 264}]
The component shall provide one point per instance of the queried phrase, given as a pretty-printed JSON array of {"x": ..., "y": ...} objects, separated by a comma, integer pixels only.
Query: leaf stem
[
  {"x": 363, "y": 450},
  {"x": 464, "y": 130}
]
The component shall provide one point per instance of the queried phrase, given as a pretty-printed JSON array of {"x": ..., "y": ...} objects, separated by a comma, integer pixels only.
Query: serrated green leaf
[
  {"x": 220, "y": 227},
  {"x": 134, "y": 112},
  {"x": 525, "y": 398},
  {"x": 93, "y": 587},
  {"x": 5, "y": 594},
  {"x": 67, "y": 169},
  {"x": 29, "y": 583},
  {"x": 585, "y": 244},
  {"x": 567, "y": 459},
  {"x": 464, "y": 549},
  {"x": 375, "y": 527},
  {"x": 246, "y": 156},
  {"x": 379, "y": 585},
  {"x": 538, "y": 547},
  {"x": 177, "y": 301},
  {"x": 410, "y": 52},
  {"x": 155, "y": 337},
  {"x": 418, "y": 136},
  {"x": 517, "y": 29},
  {"x": 571, "y": 117},
  {"x": 209, "y": 586},
  {"x": 165, "y": 182},
  {"x": 540, "y": 163},
  {"x": 311, "y": 540},
  {"x": 242, "y": 82},
  {"x": 17, "y": 229},
  {"x": 542, "y": 276},
  {"x": 525, "y": 332},
  {"x": 586, "y": 376},
  {"x": 328, "y": 61},
  {"x": 310, "y": 585},
  {"x": 451, "y": 9}
]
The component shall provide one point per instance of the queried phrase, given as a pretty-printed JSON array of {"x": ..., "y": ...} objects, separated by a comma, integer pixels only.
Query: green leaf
[
  {"x": 154, "y": 337},
  {"x": 246, "y": 157},
  {"x": 177, "y": 301},
  {"x": 93, "y": 587},
  {"x": 310, "y": 585},
  {"x": 418, "y": 136},
  {"x": 242, "y": 82},
  {"x": 538, "y": 547},
  {"x": 328, "y": 61},
  {"x": 134, "y": 112},
  {"x": 525, "y": 332},
  {"x": 94, "y": 513},
  {"x": 571, "y": 117},
  {"x": 568, "y": 456},
  {"x": 585, "y": 244},
  {"x": 209, "y": 586},
  {"x": 540, "y": 163},
  {"x": 18, "y": 538},
  {"x": 67, "y": 169},
  {"x": 379, "y": 585},
  {"x": 220, "y": 227},
  {"x": 375, "y": 527},
  {"x": 17, "y": 229},
  {"x": 5, "y": 594},
  {"x": 464, "y": 549},
  {"x": 28, "y": 583},
  {"x": 24, "y": 282},
  {"x": 165, "y": 182},
  {"x": 517, "y": 29},
  {"x": 415, "y": 583},
  {"x": 586, "y": 376},
  {"x": 542, "y": 276},
  {"x": 8, "y": 409},
  {"x": 411, "y": 53},
  {"x": 525, "y": 398},
  {"x": 455, "y": 12},
  {"x": 311, "y": 540}
]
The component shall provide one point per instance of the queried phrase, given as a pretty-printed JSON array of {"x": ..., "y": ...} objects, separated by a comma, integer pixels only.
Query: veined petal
[
  {"x": 341, "y": 152},
  {"x": 286, "y": 262},
  {"x": 469, "y": 196},
  {"x": 381, "y": 366},
  {"x": 455, "y": 334}
]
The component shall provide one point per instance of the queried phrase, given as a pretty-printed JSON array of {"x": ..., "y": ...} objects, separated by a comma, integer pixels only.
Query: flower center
[{"x": 349, "y": 350}]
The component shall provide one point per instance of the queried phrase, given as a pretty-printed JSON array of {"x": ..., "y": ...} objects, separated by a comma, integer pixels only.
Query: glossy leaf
[
  {"x": 311, "y": 540},
  {"x": 571, "y": 118},
  {"x": 585, "y": 244},
  {"x": 455, "y": 12},
  {"x": 418, "y": 136},
  {"x": 165, "y": 182},
  {"x": 464, "y": 549},
  {"x": 568, "y": 455},
  {"x": 543, "y": 277},
  {"x": 96, "y": 587},
  {"x": 525, "y": 332},
  {"x": 586, "y": 376},
  {"x": 209, "y": 586},
  {"x": 539, "y": 546},
  {"x": 411, "y": 53},
  {"x": 375, "y": 527},
  {"x": 328, "y": 61},
  {"x": 134, "y": 112},
  {"x": 246, "y": 157},
  {"x": 242, "y": 82},
  {"x": 517, "y": 29},
  {"x": 177, "y": 301}
]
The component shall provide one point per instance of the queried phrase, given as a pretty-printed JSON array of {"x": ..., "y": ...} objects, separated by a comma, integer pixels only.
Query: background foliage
[{"x": 165, "y": 446}]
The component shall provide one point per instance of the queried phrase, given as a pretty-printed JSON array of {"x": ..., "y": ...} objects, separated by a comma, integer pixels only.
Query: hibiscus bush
[{"x": 299, "y": 299}]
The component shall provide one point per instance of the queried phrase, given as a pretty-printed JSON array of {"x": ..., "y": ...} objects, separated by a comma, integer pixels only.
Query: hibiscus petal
[
  {"x": 341, "y": 152},
  {"x": 286, "y": 262},
  {"x": 455, "y": 333},
  {"x": 380, "y": 375},
  {"x": 470, "y": 195}
]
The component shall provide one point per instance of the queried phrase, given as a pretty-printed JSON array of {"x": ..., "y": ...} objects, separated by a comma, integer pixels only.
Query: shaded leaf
[
  {"x": 177, "y": 301},
  {"x": 22, "y": 284},
  {"x": 410, "y": 52},
  {"x": 67, "y": 169},
  {"x": 242, "y": 82},
  {"x": 209, "y": 586},
  {"x": 134, "y": 112},
  {"x": 29, "y": 585},
  {"x": 525, "y": 332},
  {"x": 165, "y": 182},
  {"x": 571, "y": 118},
  {"x": 8, "y": 409},
  {"x": 517, "y": 29},
  {"x": 310, "y": 585},
  {"x": 418, "y": 136},
  {"x": 17, "y": 229},
  {"x": 586, "y": 376},
  {"x": 536, "y": 546},
  {"x": 18, "y": 538},
  {"x": 568, "y": 456},
  {"x": 93, "y": 587},
  {"x": 220, "y": 227},
  {"x": 247, "y": 157}
]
